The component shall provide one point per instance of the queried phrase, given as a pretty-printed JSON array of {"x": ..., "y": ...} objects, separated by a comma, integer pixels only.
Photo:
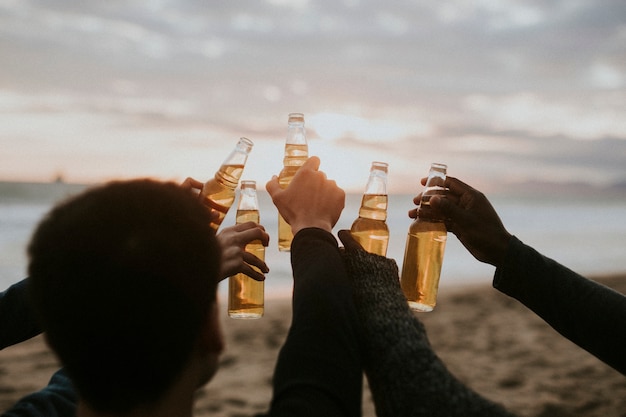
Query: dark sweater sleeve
[
  {"x": 17, "y": 322},
  {"x": 586, "y": 312},
  {"x": 57, "y": 399},
  {"x": 319, "y": 370},
  {"x": 405, "y": 376}
]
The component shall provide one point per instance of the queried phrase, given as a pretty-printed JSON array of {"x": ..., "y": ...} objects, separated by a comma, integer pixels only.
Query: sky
[{"x": 502, "y": 91}]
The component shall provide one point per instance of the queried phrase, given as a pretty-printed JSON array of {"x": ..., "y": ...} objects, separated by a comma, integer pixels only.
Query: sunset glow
[
  {"x": 507, "y": 92},
  {"x": 333, "y": 126}
]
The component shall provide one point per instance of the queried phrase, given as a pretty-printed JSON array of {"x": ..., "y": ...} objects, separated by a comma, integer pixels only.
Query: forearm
[
  {"x": 319, "y": 369},
  {"x": 588, "y": 313},
  {"x": 18, "y": 322},
  {"x": 405, "y": 375}
]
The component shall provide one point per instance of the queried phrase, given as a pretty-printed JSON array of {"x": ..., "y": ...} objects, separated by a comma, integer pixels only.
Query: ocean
[{"x": 588, "y": 236}]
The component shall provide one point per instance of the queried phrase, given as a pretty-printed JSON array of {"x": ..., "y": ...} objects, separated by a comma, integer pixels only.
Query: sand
[{"x": 491, "y": 342}]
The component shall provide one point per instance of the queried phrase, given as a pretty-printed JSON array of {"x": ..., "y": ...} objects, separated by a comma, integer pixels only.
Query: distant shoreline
[
  {"x": 38, "y": 191},
  {"x": 522, "y": 190}
]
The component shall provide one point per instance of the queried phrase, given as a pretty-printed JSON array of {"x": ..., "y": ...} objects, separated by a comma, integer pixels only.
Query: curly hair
[{"x": 122, "y": 277}]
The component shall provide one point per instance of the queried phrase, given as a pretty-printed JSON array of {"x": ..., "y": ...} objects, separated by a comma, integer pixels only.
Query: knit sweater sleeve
[{"x": 405, "y": 376}]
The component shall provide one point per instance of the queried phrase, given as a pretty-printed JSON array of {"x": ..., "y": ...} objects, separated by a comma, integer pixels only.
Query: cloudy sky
[{"x": 501, "y": 90}]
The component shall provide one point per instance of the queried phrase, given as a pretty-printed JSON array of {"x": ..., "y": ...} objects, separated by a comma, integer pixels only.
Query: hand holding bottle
[
  {"x": 425, "y": 246},
  {"x": 246, "y": 290},
  {"x": 472, "y": 218},
  {"x": 233, "y": 241},
  {"x": 310, "y": 200},
  {"x": 218, "y": 193},
  {"x": 235, "y": 259}
]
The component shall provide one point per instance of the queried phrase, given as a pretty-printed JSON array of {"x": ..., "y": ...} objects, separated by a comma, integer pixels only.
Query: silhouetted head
[{"x": 123, "y": 278}]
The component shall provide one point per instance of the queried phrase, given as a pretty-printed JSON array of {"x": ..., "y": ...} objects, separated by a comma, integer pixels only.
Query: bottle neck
[
  {"x": 377, "y": 183},
  {"x": 239, "y": 155},
  {"x": 248, "y": 198},
  {"x": 232, "y": 167},
  {"x": 374, "y": 206},
  {"x": 435, "y": 185},
  {"x": 228, "y": 175},
  {"x": 296, "y": 134}
]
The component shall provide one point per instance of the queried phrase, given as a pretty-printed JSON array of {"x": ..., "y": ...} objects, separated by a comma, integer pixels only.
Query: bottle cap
[
  {"x": 245, "y": 143},
  {"x": 296, "y": 118},
  {"x": 380, "y": 166}
]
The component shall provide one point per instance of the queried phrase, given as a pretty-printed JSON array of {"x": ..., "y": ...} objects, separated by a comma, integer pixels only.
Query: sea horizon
[{"x": 582, "y": 230}]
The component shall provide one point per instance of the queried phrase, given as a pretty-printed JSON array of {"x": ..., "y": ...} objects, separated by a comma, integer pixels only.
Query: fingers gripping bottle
[
  {"x": 425, "y": 245},
  {"x": 370, "y": 228},
  {"x": 296, "y": 154},
  {"x": 218, "y": 193},
  {"x": 246, "y": 295}
]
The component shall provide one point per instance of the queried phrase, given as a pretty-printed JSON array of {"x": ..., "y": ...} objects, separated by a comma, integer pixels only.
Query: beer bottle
[
  {"x": 425, "y": 245},
  {"x": 218, "y": 193},
  {"x": 296, "y": 154},
  {"x": 370, "y": 228},
  {"x": 245, "y": 295}
]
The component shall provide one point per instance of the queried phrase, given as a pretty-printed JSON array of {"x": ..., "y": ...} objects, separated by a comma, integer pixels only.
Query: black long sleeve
[
  {"x": 319, "y": 369},
  {"x": 57, "y": 399},
  {"x": 586, "y": 312},
  {"x": 17, "y": 322}
]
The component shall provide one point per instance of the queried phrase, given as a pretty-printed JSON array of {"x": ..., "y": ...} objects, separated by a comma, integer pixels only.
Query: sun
[{"x": 333, "y": 126}]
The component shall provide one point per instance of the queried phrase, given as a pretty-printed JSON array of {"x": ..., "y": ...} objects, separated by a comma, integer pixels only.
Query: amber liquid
[
  {"x": 295, "y": 157},
  {"x": 423, "y": 258},
  {"x": 370, "y": 229},
  {"x": 246, "y": 295},
  {"x": 219, "y": 192}
]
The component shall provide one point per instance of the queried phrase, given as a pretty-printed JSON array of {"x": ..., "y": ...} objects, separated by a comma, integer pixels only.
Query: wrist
[
  {"x": 502, "y": 249},
  {"x": 318, "y": 224}
]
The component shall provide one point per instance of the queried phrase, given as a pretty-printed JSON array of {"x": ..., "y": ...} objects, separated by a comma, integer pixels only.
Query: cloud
[
  {"x": 333, "y": 126},
  {"x": 606, "y": 76},
  {"x": 498, "y": 15},
  {"x": 595, "y": 118},
  {"x": 492, "y": 82}
]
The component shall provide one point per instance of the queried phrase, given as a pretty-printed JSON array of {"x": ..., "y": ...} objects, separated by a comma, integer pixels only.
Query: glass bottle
[
  {"x": 246, "y": 295},
  {"x": 425, "y": 245},
  {"x": 218, "y": 193},
  {"x": 296, "y": 154},
  {"x": 370, "y": 228}
]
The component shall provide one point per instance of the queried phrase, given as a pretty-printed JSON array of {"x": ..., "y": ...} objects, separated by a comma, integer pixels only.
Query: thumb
[
  {"x": 313, "y": 163},
  {"x": 272, "y": 186}
]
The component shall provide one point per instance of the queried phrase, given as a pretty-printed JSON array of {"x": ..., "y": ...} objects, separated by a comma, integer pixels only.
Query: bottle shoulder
[{"x": 427, "y": 225}]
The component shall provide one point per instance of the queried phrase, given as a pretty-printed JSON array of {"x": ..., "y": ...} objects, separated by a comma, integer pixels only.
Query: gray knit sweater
[{"x": 405, "y": 376}]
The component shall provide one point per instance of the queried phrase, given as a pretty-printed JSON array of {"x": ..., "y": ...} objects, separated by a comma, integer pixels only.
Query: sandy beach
[{"x": 489, "y": 341}]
